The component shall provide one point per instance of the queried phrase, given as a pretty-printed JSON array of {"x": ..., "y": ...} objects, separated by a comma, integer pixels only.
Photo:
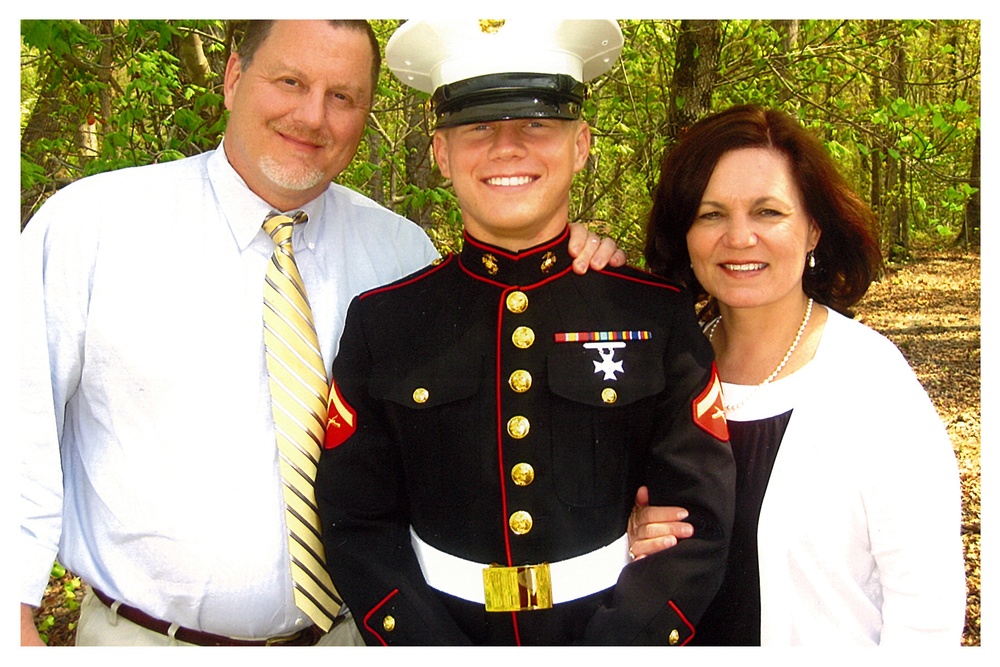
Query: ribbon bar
[{"x": 600, "y": 336}]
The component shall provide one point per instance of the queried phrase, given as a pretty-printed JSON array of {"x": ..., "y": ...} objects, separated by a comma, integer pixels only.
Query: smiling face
[
  {"x": 297, "y": 113},
  {"x": 750, "y": 237},
  {"x": 513, "y": 177}
]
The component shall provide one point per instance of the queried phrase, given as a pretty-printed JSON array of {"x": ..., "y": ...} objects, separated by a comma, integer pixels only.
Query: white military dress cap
[{"x": 481, "y": 70}]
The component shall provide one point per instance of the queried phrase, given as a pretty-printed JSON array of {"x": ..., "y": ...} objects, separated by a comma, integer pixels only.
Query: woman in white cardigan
[{"x": 848, "y": 500}]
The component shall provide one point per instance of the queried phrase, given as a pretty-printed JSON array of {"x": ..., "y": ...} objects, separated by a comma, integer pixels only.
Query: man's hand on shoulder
[{"x": 590, "y": 251}]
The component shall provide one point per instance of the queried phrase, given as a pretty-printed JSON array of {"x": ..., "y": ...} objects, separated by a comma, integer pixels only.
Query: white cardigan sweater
[{"x": 859, "y": 533}]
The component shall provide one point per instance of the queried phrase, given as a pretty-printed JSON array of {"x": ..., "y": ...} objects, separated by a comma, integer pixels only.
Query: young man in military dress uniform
[{"x": 486, "y": 444}]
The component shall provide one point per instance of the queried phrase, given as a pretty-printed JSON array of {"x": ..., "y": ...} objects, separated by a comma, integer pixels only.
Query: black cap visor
[{"x": 506, "y": 96}]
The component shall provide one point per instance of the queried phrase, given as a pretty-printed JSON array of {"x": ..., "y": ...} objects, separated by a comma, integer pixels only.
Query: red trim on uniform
[
  {"x": 517, "y": 256},
  {"x": 505, "y": 286},
  {"x": 497, "y": 388},
  {"x": 517, "y": 630},
  {"x": 685, "y": 620},
  {"x": 500, "y": 430},
  {"x": 388, "y": 288},
  {"x": 481, "y": 278},
  {"x": 652, "y": 283},
  {"x": 375, "y": 609},
  {"x": 498, "y": 385},
  {"x": 555, "y": 276}
]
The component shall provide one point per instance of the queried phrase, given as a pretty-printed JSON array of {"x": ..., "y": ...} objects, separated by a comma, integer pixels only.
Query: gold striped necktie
[{"x": 299, "y": 395}]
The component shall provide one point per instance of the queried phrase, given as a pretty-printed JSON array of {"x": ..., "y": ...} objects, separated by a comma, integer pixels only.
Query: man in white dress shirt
[{"x": 148, "y": 457}]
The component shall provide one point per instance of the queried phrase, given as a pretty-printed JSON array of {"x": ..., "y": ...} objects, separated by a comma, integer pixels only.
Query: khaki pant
[{"x": 99, "y": 626}]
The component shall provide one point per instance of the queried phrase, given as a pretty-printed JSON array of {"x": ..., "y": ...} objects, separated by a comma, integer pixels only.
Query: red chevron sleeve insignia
[
  {"x": 340, "y": 420},
  {"x": 707, "y": 410}
]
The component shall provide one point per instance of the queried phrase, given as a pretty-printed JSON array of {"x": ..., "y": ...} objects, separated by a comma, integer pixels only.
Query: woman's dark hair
[
  {"x": 255, "y": 32},
  {"x": 848, "y": 257}
]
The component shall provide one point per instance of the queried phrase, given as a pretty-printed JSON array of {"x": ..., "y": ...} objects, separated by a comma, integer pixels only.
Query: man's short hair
[{"x": 257, "y": 31}]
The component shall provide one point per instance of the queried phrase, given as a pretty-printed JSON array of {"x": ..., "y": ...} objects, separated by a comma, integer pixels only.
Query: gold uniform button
[
  {"x": 517, "y": 302},
  {"x": 609, "y": 395},
  {"x": 523, "y": 337},
  {"x": 520, "y": 381},
  {"x": 389, "y": 623},
  {"x": 520, "y": 522},
  {"x": 420, "y": 395},
  {"x": 674, "y": 637},
  {"x": 522, "y": 474},
  {"x": 518, "y": 427}
]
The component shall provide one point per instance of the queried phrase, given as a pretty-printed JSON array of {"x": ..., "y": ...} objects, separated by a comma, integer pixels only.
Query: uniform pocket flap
[
  {"x": 444, "y": 379},
  {"x": 606, "y": 374}
]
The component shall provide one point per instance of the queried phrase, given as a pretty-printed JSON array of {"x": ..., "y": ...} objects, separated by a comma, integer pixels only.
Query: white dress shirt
[
  {"x": 149, "y": 464},
  {"x": 859, "y": 537}
]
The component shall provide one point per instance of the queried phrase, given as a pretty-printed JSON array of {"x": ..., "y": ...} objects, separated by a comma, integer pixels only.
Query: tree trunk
[
  {"x": 972, "y": 221},
  {"x": 896, "y": 185},
  {"x": 376, "y": 185},
  {"x": 696, "y": 69},
  {"x": 899, "y": 83},
  {"x": 891, "y": 209},
  {"x": 90, "y": 129},
  {"x": 905, "y": 190},
  {"x": 418, "y": 160},
  {"x": 193, "y": 60},
  {"x": 788, "y": 30},
  {"x": 877, "y": 150},
  {"x": 43, "y": 122}
]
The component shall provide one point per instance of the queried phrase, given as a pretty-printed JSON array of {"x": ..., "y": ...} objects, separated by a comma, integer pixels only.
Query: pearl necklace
[{"x": 788, "y": 355}]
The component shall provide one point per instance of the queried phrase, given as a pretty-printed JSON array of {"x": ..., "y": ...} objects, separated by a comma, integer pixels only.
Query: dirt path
[{"x": 930, "y": 310}]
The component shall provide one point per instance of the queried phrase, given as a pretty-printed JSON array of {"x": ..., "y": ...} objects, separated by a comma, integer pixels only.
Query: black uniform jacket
[{"x": 469, "y": 369}]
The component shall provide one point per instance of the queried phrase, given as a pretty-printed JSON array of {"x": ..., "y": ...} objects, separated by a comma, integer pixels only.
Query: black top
[{"x": 733, "y": 618}]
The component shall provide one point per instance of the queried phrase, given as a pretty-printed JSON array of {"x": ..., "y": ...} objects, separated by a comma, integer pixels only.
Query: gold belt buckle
[{"x": 519, "y": 588}]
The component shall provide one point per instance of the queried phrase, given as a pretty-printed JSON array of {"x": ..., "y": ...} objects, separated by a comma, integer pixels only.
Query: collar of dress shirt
[{"x": 244, "y": 210}]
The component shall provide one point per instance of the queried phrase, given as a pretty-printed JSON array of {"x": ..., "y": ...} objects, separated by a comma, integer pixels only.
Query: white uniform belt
[{"x": 571, "y": 579}]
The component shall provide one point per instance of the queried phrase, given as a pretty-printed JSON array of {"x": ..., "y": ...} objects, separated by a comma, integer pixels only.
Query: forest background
[{"x": 897, "y": 102}]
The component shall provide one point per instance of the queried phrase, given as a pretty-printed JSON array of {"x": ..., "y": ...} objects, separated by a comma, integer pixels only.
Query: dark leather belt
[{"x": 307, "y": 637}]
